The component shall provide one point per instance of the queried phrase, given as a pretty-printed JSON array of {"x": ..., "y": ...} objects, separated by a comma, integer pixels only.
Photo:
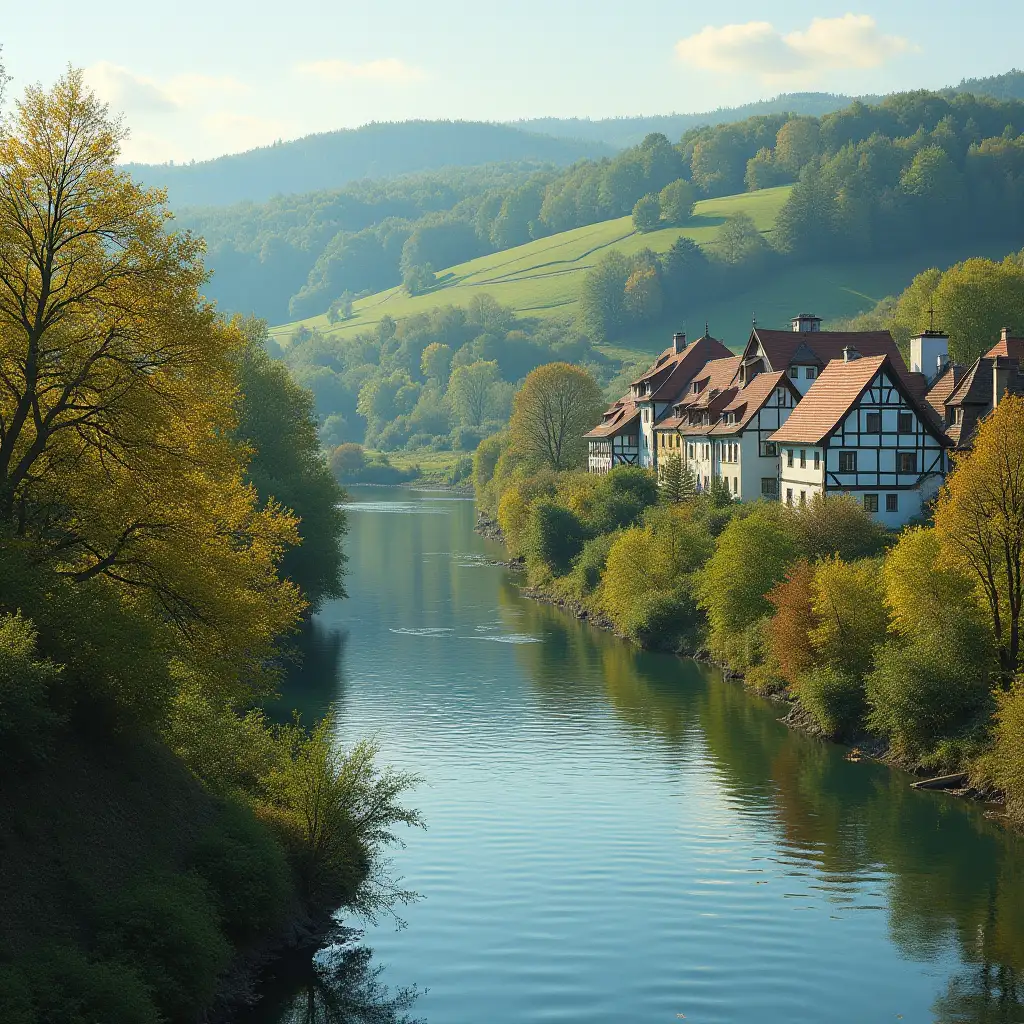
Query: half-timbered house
[
  {"x": 862, "y": 429},
  {"x": 615, "y": 441},
  {"x": 652, "y": 396},
  {"x": 746, "y": 457}
]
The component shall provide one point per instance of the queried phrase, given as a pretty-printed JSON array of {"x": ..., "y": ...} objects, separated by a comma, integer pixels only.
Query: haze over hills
[
  {"x": 628, "y": 131},
  {"x": 333, "y": 159}
]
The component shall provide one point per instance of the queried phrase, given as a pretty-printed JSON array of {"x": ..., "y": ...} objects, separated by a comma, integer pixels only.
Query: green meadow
[{"x": 542, "y": 278}]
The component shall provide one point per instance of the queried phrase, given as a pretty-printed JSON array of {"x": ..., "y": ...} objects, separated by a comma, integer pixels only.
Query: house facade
[
  {"x": 651, "y": 396},
  {"x": 862, "y": 430},
  {"x": 746, "y": 457}
]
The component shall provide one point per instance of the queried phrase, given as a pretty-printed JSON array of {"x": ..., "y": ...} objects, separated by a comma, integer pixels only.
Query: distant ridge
[
  {"x": 621, "y": 132},
  {"x": 333, "y": 159}
]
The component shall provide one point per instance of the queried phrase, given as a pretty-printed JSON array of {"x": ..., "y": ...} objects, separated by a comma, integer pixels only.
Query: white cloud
[
  {"x": 853, "y": 41},
  {"x": 237, "y": 132},
  {"x": 388, "y": 69},
  {"x": 125, "y": 90},
  {"x": 132, "y": 92}
]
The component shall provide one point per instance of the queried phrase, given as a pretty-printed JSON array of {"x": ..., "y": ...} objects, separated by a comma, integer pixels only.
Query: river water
[{"x": 620, "y": 837}]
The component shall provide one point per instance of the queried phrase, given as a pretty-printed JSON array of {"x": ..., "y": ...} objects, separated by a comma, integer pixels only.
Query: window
[
  {"x": 789, "y": 495},
  {"x": 769, "y": 449},
  {"x": 803, "y": 458},
  {"x": 735, "y": 485},
  {"x": 789, "y": 459},
  {"x": 873, "y": 423},
  {"x": 958, "y": 416},
  {"x": 870, "y": 502},
  {"x": 906, "y": 462},
  {"x": 794, "y": 372},
  {"x": 769, "y": 487},
  {"x": 817, "y": 459},
  {"x": 689, "y": 450},
  {"x": 803, "y": 498},
  {"x": 906, "y": 423},
  {"x": 847, "y": 462},
  {"x": 695, "y": 387},
  {"x": 892, "y": 503},
  {"x": 811, "y": 372}
]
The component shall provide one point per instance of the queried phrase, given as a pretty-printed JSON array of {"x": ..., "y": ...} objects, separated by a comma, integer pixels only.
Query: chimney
[
  {"x": 849, "y": 354},
  {"x": 1004, "y": 334},
  {"x": 927, "y": 350},
  {"x": 678, "y": 342},
  {"x": 1000, "y": 378},
  {"x": 806, "y": 323}
]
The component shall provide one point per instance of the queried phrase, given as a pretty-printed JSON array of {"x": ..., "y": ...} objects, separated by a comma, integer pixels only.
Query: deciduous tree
[
  {"x": 470, "y": 390},
  {"x": 557, "y": 404},
  {"x": 980, "y": 523}
]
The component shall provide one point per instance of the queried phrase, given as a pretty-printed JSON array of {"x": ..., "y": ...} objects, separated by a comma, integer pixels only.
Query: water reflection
[
  {"x": 617, "y": 835},
  {"x": 944, "y": 872},
  {"x": 341, "y": 985}
]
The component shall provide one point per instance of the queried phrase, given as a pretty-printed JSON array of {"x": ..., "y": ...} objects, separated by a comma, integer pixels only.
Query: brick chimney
[{"x": 678, "y": 342}]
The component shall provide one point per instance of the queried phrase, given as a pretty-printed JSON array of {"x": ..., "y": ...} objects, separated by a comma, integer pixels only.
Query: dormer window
[
  {"x": 794, "y": 372},
  {"x": 695, "y": 387}
]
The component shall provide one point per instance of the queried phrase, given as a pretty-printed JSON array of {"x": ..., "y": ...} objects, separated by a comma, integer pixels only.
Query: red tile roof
[
  {"x": 781, "y": 346},
  {"x": 1007, "y": 346},
  {"x": 619, "y": 416},
  {"x": 715, "y": 376},
  {"x": 749, "y": 400},
  {"x": 834, "y": 393},
  {"x": 940, "y": 391}
]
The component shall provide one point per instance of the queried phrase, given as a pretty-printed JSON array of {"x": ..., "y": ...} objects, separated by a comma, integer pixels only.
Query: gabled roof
[
  {"x": 835, "y": 392},
  {"x": 822, "y": 347},
  {"x": 715, "y": 376},
  {"x": 975, "y": 386},
  {"x": 749, "y": 401},
  {"x": 712, "y": 403},
  {"x": 684, "y": 366},
  {"x": 617, "y": 418},
  {"x": 938, "y": 395},
  {"x": 1007, "y": 346}
]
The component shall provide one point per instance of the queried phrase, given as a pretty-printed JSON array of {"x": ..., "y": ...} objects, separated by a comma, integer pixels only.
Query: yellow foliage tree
[
  {"x": 980, "y": 523},
  {"x": 117, "y": 391}
]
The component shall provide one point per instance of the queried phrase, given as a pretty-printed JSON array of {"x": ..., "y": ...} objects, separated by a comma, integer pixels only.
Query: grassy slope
[{"x": 542, "y": 278}]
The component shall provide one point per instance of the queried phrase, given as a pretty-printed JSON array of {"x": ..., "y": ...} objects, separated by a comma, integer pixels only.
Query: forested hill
[
  {"x": 333, "y": 159},
  {"x": 629, "y": 131}
]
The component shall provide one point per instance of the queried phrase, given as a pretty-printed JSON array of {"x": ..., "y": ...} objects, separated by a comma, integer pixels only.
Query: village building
[
  {"x": 687, "y": 428},
  {"x": 625, "y": 435},
  {"x": 863, "y": 429},
  {"x": 963, "y": 396},
  {"x": 746, "y": 457}
]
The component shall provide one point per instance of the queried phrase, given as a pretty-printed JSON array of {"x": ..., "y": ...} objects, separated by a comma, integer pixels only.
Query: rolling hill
[
  {"x": 332, "y": 159},
  {"x": 543, "y": 279}
]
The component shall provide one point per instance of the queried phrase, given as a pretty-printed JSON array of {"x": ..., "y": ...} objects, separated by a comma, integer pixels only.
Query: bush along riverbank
[
  {"x": 904, "y": 645},
  {"x": 166, "y": 519}
]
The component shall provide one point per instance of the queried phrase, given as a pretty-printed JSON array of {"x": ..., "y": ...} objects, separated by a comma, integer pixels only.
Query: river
[{"x": 620, "y": 837}]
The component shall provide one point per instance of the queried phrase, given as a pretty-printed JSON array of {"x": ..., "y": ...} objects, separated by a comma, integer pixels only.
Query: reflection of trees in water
[
  {"x": 342, "y": 986},
  {"x": 314, "y": 679},
  {"x": 948, "y": 874}
]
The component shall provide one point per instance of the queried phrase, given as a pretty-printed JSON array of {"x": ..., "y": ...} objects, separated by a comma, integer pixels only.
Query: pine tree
[{"x": 677, "y": 481}]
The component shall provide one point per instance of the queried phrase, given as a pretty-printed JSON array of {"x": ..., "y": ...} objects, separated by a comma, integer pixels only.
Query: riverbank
[{"x": 860, "y": 744}]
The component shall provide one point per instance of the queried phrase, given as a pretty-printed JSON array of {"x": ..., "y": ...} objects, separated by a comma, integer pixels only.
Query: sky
[{"x": 198, "y": 78}]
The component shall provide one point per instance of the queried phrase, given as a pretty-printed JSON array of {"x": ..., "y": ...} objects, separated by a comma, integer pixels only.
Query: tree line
[
  {"x": 167, "y": 520},
  {"x": 870, "y": 178},
  {"x": 442, "y": 379}
]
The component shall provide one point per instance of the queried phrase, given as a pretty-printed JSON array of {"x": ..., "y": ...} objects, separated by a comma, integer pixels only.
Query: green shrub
[
  {"x": 662, "y": 620},
  {"x": 167, "y": 928},
  {"x": 834, "y": 698},
  {"x": 918, "y": 696},
  {"x": 554, "y": 537},
  {"x": 589, "y": 566},
  {"x": 640, "y": 484},
  {"x": 246, "y": 872},
  {"x": 1003, "y": 765},
  {"x": 70, "y": 988},
  {"x": 27, "y": 722}
]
